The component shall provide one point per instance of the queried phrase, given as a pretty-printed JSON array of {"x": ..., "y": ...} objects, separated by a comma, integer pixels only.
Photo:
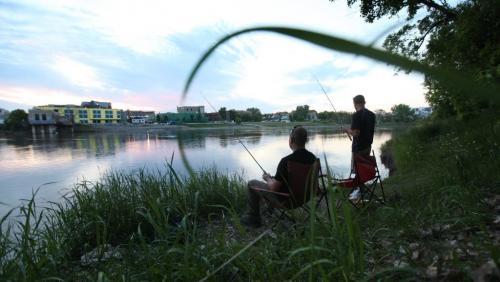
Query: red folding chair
[
  {"x": 365, "y": 177},
  {"x": 303, "y": 186}
]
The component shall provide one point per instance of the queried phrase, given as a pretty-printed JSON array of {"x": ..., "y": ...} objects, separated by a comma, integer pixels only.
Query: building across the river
[
  {"x": 140, "y": 117},
  {"x": 191, "y": 110},
  {"x": 88, "y": 113},
  {"x": 3, "y": 115}
]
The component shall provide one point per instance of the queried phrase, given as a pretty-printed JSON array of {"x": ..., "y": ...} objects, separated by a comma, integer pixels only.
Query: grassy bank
[
  {"x": 440, "y": 223},
  {"x": 155, "y": 226},
  {"x": 443, "y": 217}
]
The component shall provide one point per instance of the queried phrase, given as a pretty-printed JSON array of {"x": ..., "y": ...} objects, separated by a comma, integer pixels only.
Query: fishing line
[
  {"x": 252, "y": 156},
  {"x": 239, "y": 140}
]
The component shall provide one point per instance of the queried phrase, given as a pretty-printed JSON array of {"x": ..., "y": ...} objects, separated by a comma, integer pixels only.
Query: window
[
  {"x": 56, "y": 110},
  {"x": 96, "y": 113},
  {"x": 44, "y": 117},
  {"x": 68, "y": 113},
  {"x": 118, "y": 115},
  {"x": 37, "y": 116},
  {"x": 96, "y": 121},
  {"x": 84, "y": 121},
  {"x": 82, "y": 114},
  {"x": 109, "y": 121},
  {"x": 109, "y": 114}
]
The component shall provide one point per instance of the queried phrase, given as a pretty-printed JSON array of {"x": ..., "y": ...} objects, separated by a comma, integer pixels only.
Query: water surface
[{"x": 54, "y": 163}]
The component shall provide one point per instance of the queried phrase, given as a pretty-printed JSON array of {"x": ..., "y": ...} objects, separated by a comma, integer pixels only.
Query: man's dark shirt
[
  {"x": 364, "y": 121},
  {"x": 302, "y": 156}
]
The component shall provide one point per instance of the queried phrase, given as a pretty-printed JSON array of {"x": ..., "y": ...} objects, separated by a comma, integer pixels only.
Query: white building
[
  {"x": 191, "y": 109},
  {"x": 312, "y": 115},
  {"x": 138, "y": 120},
  {"x": 280, "y": 116},
  {"x": 422, "y": 112},
  {"x": 3, "y": 115}
]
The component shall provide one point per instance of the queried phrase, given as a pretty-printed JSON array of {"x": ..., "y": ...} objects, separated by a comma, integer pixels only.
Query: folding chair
[
  {"x": 303, "y": 185},
  {"x": 366, "y": 177}
]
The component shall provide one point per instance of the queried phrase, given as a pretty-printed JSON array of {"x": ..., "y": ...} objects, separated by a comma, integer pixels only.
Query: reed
[{"x": 165, "y": 226}]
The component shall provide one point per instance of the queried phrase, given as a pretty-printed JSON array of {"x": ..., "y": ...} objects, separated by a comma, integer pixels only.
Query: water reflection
[{"x": 27, "y": 162}]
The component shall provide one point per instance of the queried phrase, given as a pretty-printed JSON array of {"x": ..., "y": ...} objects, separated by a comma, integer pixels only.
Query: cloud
[
  {"x": 158, "y": 101},
  {"x": 36, "y": 96},
  {"x": 380, "y": 85},
  {"x": 77, "y": 73},
  {"x": 142, "y": 51}
]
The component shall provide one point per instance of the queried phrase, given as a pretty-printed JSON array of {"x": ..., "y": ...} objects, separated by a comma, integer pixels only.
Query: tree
[
  {"x": 17, "y": 119},
  {"x": 382, "y": 116},
  {"x": 300, "y": 113},
  {"x": 402, "y": 113},
  {"x": 244, "y": 116},
  {"x": 409, "y": 39},
  {"x": 464, "y": 37},
  {"x": 232, "y": 115},
  {"x": 255, "y": 113},
  {"x": 223, "y": 113}
]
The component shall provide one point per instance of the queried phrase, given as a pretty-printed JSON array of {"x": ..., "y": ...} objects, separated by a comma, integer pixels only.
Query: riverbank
[
  {"x": 440, "y": 223},
  {"x": 159, "y": 127},
  {"x": 152, "y": 128}
]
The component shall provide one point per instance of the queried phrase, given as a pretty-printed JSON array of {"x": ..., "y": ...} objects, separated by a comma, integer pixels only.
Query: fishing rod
[
  {"x": 252, "y": 156},
  {"x": 324, "y": 92},
  {"x": 239, "y": 140},
  {"x": 371, "y": 44},
  {"x": 208, "y": 102},
  {"x": 327, "y": 97}
]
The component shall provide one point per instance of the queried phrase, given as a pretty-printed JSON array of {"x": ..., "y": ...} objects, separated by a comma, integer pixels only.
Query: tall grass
[
  {"x": 159, "y": 225},
  {"x": 447, "y": 171}
]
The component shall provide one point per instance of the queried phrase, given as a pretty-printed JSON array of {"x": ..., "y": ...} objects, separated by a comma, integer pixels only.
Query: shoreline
[
  {"x": 153, "y": 128},
  {"x": 218, "y": 126}
]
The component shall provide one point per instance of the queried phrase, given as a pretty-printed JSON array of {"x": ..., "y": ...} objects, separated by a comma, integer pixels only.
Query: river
[{"x": 54, "y": 163}]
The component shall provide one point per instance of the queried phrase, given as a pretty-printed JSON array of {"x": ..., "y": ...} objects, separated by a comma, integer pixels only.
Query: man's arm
[
  {"x": 352, "y": 132},
  {"x": 274, "y": 185},
  {"x": 355, "y": 126}
]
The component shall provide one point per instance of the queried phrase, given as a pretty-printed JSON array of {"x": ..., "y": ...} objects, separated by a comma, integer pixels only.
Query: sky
[{"x": 138, "y": 55}]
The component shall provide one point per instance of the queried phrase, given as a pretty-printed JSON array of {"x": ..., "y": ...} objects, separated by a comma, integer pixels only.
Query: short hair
[
  {"x": 298, "y": 136},
  {"x": 359, "y": 99}
]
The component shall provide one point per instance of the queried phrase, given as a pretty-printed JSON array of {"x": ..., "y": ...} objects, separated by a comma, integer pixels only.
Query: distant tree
[
  {"x": 232, "y": 115},
  {"x": 326, "y": 116},
  {"x": 402, "y": 113},
  {"x": 256, "y": 114},
  {"x": 162, "y": 118},
  {"x": 223, "y": 113},
  {"x": 300, "y": 113},
  {"x": 459, "y": 35},
  {"x": 382, "y": 116},
  {"x": 245, "y": 116},
  {"x": 337, "y": 117},
  {"x": 17, "y": 119}
]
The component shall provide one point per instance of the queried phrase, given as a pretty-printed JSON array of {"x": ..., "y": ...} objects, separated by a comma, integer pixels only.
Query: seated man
[{"x": 296, "y": 141}]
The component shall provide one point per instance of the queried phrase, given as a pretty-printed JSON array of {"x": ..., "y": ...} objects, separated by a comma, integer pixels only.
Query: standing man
[
  {"x": 279, "y": 183},
  {"x": 362, "y": 127}
]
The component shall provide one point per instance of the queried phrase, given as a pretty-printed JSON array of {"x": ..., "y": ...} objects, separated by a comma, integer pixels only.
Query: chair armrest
[{"x": 268, "y": 191}]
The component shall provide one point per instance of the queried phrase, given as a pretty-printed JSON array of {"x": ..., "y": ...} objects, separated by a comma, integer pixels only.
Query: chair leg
[
  {"x": 327, "y": 205},
  {"x": 351, "y": 201},
  {"x": 382, "y": 189},
  {"x": 372, "y": 191}
]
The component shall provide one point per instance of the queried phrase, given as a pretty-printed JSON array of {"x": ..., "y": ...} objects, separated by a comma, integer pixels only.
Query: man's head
[
  {"x": 359, "y": 102},
  {"x": 298, "y": 137}
]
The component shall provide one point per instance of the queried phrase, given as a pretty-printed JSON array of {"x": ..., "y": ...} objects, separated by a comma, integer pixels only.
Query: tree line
[{"x": 464, "y": 37}]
